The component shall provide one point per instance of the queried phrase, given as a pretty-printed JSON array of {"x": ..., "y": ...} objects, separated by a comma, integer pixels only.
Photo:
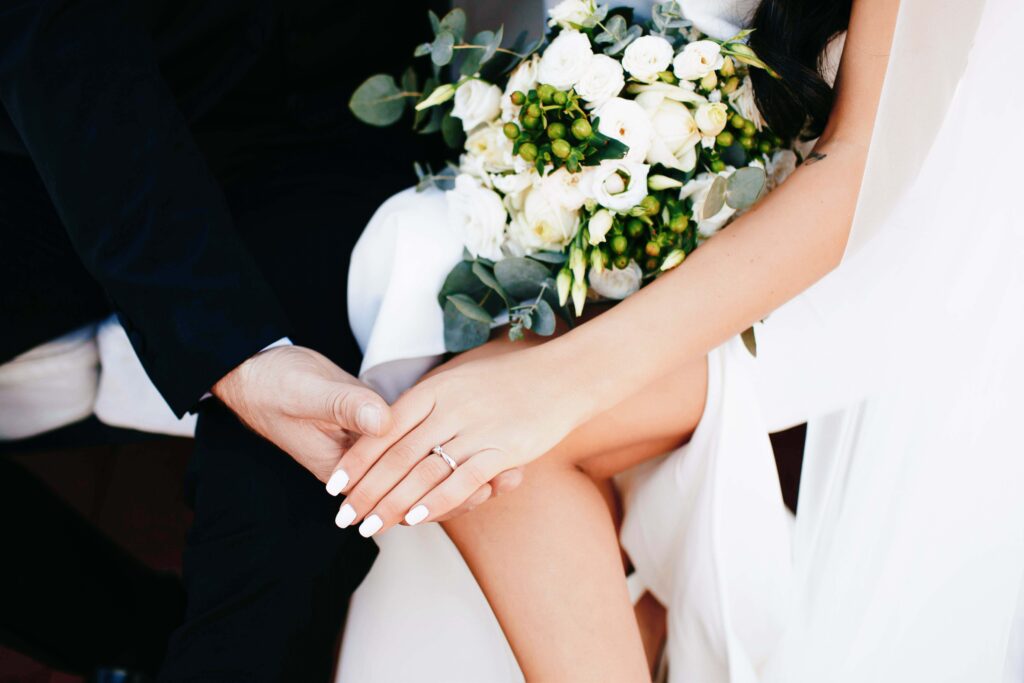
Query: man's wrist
[{"x": 283, "y": 341}]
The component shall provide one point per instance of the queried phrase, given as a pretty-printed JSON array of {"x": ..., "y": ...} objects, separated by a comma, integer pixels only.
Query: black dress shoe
[{"x": 113, "y": 675}]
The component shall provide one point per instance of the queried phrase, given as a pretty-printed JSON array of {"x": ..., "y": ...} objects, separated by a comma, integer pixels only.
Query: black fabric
[{"x": 71, "y": 598}]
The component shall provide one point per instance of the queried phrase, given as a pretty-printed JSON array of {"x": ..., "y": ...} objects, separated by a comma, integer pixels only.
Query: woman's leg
[{"x": 547, "y": 554}]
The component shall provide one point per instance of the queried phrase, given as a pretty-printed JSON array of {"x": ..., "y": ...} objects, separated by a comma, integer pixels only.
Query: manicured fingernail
[
  {"x": 368, "y": 419},
  {"x": 337, "y": 482},
  {"x": 370, "y": 526},
  {"x": 345, "y": 516},
  {"x": 417, "y": 515}
]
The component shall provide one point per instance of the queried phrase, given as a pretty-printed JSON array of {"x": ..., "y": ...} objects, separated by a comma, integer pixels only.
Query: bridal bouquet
[{"x": 591, "y": 161}]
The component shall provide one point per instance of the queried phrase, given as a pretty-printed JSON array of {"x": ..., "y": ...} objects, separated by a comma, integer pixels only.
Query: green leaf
[
  {"x": 421, "y": 115},
  {"x": 378, "y": 101},
  {"x": 461, "y": 280},
  {"x": 409, "y": 80},
  {"x": 470, "y": 308},
  {"x": 750, "y": 341},
  {"x": 715, "y": 198},
  {"x": 422, "y": 50},
  {"x": 462, "y": 333},
  {"x": 435, "y": 23},
  {"x": 521, "y": 277},
  {"x": 455, "y": 23},
  {"x": 485, "y": 276},
  {"x": 543, "y": 319},
  {"x": 555, "y": 258},
  {"x": 745, "y": 187},
  {"x": 492, "y": 44},
  {"x": 433, "y": 124},
  {"x": 451, "y": 130},
  {"x": 442, "y": 49}
]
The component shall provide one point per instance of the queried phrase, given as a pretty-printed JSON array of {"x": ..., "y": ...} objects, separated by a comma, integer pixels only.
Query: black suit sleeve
[{"x": 80, "y": 82}]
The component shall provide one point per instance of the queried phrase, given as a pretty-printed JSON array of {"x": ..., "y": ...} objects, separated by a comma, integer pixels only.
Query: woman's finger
[
  {"x": 482, "y": 495},
  {"x": 384, "y": 474},
  {"x": 408, "y": 413},
  {"x": 396, "y": 506},
  {"x": 468, "y": 477}
]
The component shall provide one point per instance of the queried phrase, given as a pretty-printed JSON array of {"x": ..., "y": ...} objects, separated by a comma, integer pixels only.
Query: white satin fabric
[{"x": 905, "y": 562}]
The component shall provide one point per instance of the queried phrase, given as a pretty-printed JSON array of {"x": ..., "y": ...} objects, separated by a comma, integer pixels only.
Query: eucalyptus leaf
[
  {"x": 442, "y": 49},
  {"x": 614, "y": 30},
  {"x": 422, "y": 50},
  {"x": 422, "y": 115},
  {"x": 462, "y": 333},
  {"x": 471, "y": 62},
  {"x": 435, "y": 22},
  {"x": 715, "y": 198},
  {"x": 461, "y": 280},
  {"x": 433, "y": 124},
  {"x": 745, "y": 187},
  {"x": 409, "y": 80},
  {"x": 493, "y": 44},
  {"x": 555, "y": 258},
  {"x": 455, "y": 23},
  {"x": 451, "y": 130},
  {"x": 521, "y": 277},
  {"x": 470, "y": 308},
  {"x": 543, "y": 319},
  {"x": 485, "y": 276},
  {"x": 378, "y": 101}
]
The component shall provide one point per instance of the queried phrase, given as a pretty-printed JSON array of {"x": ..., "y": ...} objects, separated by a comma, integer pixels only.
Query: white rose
[
  {"x": 576, "y": 14},
  {"x": 697, "y": 60},
  {"x": 742, "y": 100},
  {"x": 511, "y": 184},
  {"x": 711, "y": 119},
  {"x": 675, "y": 133},
  {"x": 544, "y": 222},
  {"x": 476, "y": 102},
  {"x": 697, "y": 190},
  {"x": 565, "y": 60},
  {"x": 602, "y": 80},
  {"x": 616, "y": 283},
  {"x": 684, "y": 92},
  {"x": 618, "y": 184},
  {"x": 599, "y": 225},
  {"x": 488, "y": 150},
  {"x": 523, "y": 79},
  {"x": 478, "y": 216},
  {"x": 627, "y": 122},
  {"x": 646, "y": 57}
]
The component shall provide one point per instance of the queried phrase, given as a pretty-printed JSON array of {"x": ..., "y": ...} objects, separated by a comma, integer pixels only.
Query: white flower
[
  {"x": 579, "y": 296},
  {"x": 599, "y": 225},
  {"x": 602, "y": 80},
  {"x": 547, "y": 219},
  {"x": 662, "y": 182},
  {"x": 577, "y": 14},
  {"x": 674, "y": 258},
  {"x": 488, "y": 150},
  {"x": 675, "y": 134},
  {"x": 626, "y": 121},
  {"x": 476, "y": 102},
  {"x": 696, "y": 190},
  {"x": 618, "y": 184},
  {"x": 512, "y": 184},
  {"x": 779, "y": 167},
  {"x": 523, "y": 79},
  {"x": 617, "y": 283},
  {"x": 711, "y": 119},
  {"x": 565, "y": 60},
  {"x": 684, "y": 92},
  {"x": 697, "y": 60},
  {"x": 742, "y": 100},
  {"x": 646, "y": 57},
  {"x": 478, "y": 215}
]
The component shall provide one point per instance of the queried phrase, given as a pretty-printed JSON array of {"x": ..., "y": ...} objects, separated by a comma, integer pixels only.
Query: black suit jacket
[{"x": 108, "y": 98}]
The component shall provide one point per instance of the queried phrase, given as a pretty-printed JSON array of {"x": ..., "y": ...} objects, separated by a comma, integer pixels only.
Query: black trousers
[{"x": 267, "y": 573}]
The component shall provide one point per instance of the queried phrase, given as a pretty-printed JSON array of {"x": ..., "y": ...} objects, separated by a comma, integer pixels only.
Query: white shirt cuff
[{"x": 283, "y": 341}]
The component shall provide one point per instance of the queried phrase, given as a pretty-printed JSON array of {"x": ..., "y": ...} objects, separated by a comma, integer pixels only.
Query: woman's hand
[{"x": 489, "y": 415}]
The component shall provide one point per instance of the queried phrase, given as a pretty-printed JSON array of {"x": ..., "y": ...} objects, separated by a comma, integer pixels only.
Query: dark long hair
[{"x": 790, "y": 36}]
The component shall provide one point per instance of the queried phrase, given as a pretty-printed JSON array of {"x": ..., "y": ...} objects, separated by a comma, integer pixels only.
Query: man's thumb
[{"x": 359, "y": 409}]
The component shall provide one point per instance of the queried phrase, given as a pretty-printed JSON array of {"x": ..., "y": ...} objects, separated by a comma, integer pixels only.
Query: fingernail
[
  {"x": 345, "y": 516},
  {"x": 337, "y": 482},
  {"x": 370, "y": 526},
  {"x": 368, "y": 419},
  {"x": 417, "y": 515}
]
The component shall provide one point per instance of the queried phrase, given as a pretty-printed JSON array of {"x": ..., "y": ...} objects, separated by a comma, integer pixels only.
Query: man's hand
[{"x": 304, "y": 404}]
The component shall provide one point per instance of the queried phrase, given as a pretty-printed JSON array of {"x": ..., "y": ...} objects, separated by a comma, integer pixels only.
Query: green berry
[
  {"x": 725, "y": 139},
  {"x": 510, "y": 130},
  {"x": 581, "y": 129},
  {"x": 545, "y": 92},
  {"x": 650, "y": 205},
  {"x": 561, "y": 149},
  {"x": 749, "y": 129},
  {"x": 635, "y": 227},
  {"x": 651, "y": 265},
  {"x": 531, "y": 122},
  {"x": 619, "y": 244},
  {"x": 557, "y": 131},
  {"x": 533, "y": 111},
  {"x": 518, "y": 98},
  {"x": 560, "y": 98},
  {"x": 621, "y": 262},
  {"x": 528, "y": 151},
  {"x": 747, "y": 142},
  {"x": 679, "y": 223},
  {"x": 717, "y": 166},
  {"x": 652, "y": 249},
  {"x": 737, "y": 121},
  {"x": 765, "y": 146}
]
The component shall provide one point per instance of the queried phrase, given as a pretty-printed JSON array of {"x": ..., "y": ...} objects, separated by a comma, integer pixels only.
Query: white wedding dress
[{"x": 906, "y": 560}]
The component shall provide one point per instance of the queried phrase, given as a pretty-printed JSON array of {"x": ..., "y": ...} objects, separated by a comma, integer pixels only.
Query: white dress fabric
[{"x": 906, "y": 560}]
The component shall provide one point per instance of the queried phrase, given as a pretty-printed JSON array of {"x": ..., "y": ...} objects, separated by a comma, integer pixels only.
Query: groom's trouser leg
[{"x": 267, "y": 572}]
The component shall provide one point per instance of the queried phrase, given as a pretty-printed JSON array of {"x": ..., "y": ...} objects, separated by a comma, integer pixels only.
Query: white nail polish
[
  {"x": 417, "y": 515},
  {"x": 370, "y": 526},
  {"x": 345, "y": 516},
  {"x": 337, "y": 482}
]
